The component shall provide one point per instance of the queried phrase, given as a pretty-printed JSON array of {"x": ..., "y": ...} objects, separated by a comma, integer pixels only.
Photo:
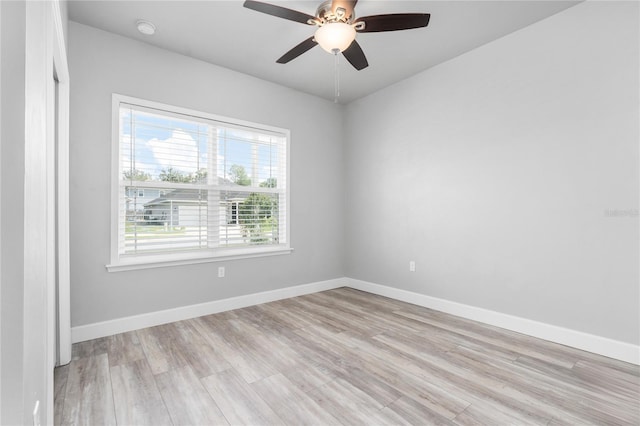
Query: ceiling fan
[{"x": 337, "y": 27}]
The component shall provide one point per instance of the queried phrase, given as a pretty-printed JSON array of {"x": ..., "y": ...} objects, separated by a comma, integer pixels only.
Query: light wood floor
[{"x": 339, "y": 357}]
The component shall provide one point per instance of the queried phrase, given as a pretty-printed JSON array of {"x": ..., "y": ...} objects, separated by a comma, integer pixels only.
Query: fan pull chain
[{"x": 336, "y": 75}]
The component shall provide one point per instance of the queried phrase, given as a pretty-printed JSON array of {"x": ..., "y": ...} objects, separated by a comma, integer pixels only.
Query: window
[{"x": 189, "y": 187}]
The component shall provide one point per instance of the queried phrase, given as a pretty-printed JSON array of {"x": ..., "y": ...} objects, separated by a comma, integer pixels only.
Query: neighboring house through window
[{"x": 192, "y": 187}]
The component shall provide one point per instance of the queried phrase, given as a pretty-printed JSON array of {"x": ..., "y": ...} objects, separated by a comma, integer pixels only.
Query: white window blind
[{"x": 191, "y": 183}]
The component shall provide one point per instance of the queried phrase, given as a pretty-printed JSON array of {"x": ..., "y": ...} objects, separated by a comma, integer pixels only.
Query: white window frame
[{"x": 125, "y": 263}]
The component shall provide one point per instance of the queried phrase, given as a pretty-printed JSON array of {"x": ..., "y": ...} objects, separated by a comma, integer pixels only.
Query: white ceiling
[{"x": 226, "y": 34}]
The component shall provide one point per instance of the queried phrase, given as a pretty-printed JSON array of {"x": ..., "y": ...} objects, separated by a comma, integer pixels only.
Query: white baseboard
[
  {"x": 577, "y": 339},
  {"x": 136, "y": 322},
  {"x": 564, "y": 336}
]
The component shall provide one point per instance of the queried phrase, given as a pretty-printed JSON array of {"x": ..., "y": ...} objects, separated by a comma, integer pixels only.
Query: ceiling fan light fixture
[
  {"x": 337, "y": 27},
  {"x": 335, "y": 36}
]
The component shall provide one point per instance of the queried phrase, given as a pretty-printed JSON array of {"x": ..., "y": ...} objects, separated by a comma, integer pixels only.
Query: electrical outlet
[
  {"x": 220, "y": 271},
  {"x": 36, "y": 414},
  {"x": 412, "y": 266}
]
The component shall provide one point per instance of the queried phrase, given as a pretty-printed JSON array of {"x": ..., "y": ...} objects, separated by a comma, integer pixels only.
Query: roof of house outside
[{"x": 191, "y": 196}]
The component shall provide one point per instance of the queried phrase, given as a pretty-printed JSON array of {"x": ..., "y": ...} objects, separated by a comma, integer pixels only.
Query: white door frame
[
  {"x": 57, "y": 165},
  {"x": 0, "y": 213},
  {"x": 63, "y": 320}
]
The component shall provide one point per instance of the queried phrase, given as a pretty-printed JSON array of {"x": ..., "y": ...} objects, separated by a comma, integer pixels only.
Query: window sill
[{"x": 160, "y": 261}]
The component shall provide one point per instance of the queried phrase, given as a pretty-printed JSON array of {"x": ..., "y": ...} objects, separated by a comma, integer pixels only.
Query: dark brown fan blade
[
  {"x": 393, "y": 22},
  {"x": 280, "y": 12},
  {"x": 297, "y": 51},
  {"x": 355, "y": 56},
  {"x": 347, "y": 5}
]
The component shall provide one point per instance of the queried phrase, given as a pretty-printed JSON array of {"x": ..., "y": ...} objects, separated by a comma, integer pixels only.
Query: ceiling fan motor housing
[{"x": 325, "y": 14}]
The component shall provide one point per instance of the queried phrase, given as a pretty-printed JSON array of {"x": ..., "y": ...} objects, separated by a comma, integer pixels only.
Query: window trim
[{"x": 184, "y": 258}]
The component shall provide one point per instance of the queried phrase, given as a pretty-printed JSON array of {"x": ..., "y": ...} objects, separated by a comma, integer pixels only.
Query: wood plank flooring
[{"x": 340, "y": 357}]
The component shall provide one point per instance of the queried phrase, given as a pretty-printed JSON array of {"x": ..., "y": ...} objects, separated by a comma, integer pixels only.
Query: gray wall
[
  {"x": 12, "y": 51},
  {"x": 102, "y": 63},
  {"x": 496, "y": 172}
]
